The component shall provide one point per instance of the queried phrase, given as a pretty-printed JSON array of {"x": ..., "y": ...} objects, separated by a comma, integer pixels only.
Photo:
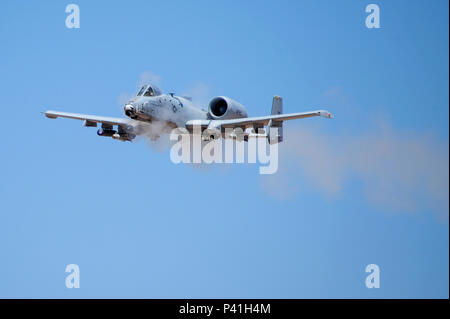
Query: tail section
[
  {"x": 276, "y": 127},
  {"x": 277, "y": 105}
]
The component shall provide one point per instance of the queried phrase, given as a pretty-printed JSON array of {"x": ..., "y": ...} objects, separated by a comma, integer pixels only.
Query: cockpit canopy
[{"x": 149, "y": 90}]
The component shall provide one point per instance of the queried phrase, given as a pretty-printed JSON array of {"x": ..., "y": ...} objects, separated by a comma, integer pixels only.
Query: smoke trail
[{"x": 399, "y": 171}]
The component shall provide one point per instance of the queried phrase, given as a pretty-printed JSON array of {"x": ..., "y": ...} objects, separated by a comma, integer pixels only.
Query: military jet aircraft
[{"x": 224, "y": 118}]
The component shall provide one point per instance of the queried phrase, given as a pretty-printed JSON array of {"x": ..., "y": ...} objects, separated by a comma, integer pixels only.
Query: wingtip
[
  {"x": 326, "y": 114},
  {"x": 49, "y": 115}
]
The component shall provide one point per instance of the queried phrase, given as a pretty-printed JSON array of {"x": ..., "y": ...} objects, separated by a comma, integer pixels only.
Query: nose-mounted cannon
[{"x": 129, "y": 110}]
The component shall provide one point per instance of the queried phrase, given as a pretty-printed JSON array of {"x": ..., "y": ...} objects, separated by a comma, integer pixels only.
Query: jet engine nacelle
[{"x": 224, "y": 108}]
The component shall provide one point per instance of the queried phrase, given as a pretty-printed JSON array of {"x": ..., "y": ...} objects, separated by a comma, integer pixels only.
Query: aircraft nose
[{"x": 129, "y": 110}]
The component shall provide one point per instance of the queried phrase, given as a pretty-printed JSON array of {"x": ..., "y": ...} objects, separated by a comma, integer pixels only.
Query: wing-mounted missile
[
  {"x": 123, "y": 133},
  {"x": 106, "y": 130}
]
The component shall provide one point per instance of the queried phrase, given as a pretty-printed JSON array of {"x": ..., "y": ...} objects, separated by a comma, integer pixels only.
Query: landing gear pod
[
  {"x": 275, "y": 133},
  {"x": 212, "y": 132}
]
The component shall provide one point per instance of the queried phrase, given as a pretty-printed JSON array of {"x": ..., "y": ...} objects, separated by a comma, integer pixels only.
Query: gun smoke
[{"x": 397, "y": 171}]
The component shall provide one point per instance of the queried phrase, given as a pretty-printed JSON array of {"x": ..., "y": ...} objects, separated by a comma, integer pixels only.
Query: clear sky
[{"x": 369, "y": 187}]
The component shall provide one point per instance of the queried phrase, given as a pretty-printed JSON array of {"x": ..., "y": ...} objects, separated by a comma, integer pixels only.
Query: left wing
[
  {"x": 252, "y": 124},
  {"x": 265, "y": 120},
  {"x": 259, "y": 120}
]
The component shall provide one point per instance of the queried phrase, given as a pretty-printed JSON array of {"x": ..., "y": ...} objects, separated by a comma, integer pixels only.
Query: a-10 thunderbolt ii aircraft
[{"x": 151, "y": 105}]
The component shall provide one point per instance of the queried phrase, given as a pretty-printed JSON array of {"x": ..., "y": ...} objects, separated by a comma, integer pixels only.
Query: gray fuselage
[{"x": 175, "y": 110}]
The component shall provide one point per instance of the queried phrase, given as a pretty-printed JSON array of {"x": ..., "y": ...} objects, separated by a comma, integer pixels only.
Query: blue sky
[{"x": 140, "y": 226}]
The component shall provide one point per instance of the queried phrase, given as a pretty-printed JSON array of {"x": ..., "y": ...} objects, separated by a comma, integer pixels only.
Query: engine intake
[{"x": 223, "y": 108}]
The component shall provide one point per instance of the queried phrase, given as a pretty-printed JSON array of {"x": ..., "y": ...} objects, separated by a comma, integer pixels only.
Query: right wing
[
  {"x": 126, "y": 128},
  {"x": 90, "y": 120}
]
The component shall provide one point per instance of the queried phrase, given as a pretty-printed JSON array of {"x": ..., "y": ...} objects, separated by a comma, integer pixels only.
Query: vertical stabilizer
[
  {"x": 276, "y": 128},
  {"x": 277, "y": 105}
]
